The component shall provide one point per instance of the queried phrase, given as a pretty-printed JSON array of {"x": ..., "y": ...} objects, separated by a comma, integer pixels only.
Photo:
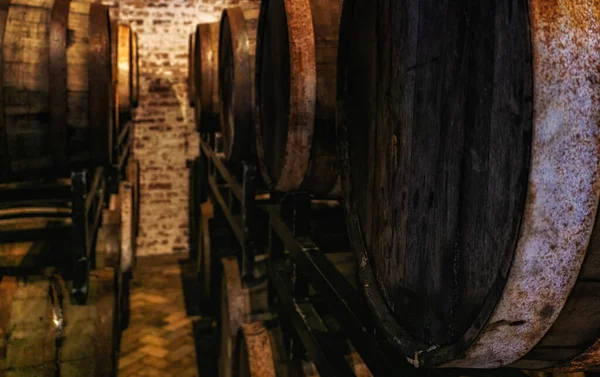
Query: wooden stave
[
  {"x": 237, "y": 43},
  {"x": 84, "y": 341},
  {"x": 85, "y": 97},
  {"x": 307, "y": 147},
  {"x": 206, "y": 74},
  {"x": 480, "y": 355}
]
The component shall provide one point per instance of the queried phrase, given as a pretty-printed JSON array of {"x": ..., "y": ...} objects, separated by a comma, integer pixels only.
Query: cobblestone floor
[{"x": 167, "y": 335}]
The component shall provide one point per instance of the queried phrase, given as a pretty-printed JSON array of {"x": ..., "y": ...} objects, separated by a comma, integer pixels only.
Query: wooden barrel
[
  {"x": 239, "y": 304},
  {"x": 55, "y": 83},
  {"x": 190, "y": 79},
  {"x": 42, "y": 334},
  {"x": 206, "y": 67},
  {"x": 296, "y": 58},
  {"x": 469, "y": 143},
  {"x": 237, "y": 49},
  {"x": 135, "y": 71},
  {"x": 124, "y": 72}
]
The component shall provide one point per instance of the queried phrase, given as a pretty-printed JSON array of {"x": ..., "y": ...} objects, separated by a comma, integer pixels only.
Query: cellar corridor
[{"x": 167, "y": 335}]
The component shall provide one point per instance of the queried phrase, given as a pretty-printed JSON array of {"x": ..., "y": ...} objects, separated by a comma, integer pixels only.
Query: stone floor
[{"x": 168, "y": 334}]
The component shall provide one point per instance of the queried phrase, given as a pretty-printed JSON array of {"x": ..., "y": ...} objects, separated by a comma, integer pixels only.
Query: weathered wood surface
[
  {"x": 204, "y": 267},
  {"x": 108, "y": 254},
  {"x": 55, "y": 96},
  {"x": 295, "y": 94},
  {"x": 237, "y": 50},
  {"x": 468, "y": 158},
  {"x": 239, "y": 305},
  {"x": 206, "y": 74},
  {"x": 127, "y": 229},
  {"x": 260, "y": 352},
  {"x": 42, "y": 334}
]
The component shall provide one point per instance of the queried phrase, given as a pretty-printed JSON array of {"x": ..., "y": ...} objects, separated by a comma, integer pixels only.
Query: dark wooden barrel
[
  {"x": 206, "y": 67},
  {"x": 237, "y": 49},
  {"x": 54, "y": 87},
  {"x": 135, "y": 71},
  {"x": 124, "y": 72},
  {"x": 296, "y": 58},
  {"x": 190, "y": 79},
  {"x": 469, "y": 141},
  {"x": 42, "y": 334}
]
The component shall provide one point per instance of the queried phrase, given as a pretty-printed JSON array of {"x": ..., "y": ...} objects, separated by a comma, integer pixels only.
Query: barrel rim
[
  {"x": 303, "y": 92},
  {"x": 547, "y": 210},
  {"x": 207, "y": 54},
  {"x": 239, "y": 117},
  {"x": 124, "y": 69},
  {"x": 99, "y": 76}
]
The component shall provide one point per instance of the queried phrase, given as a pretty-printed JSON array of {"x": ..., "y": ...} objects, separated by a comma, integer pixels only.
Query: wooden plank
[{"x": 58, "y": 81}]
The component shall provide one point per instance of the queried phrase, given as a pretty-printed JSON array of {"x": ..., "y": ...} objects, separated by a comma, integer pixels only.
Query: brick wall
[{"x": 164, "y": 135}]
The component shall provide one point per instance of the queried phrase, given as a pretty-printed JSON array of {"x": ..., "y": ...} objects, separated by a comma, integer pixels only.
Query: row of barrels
[
  {"x": 61, "y": 109},
  {"x": 466, "y": 136},
  {"x": 42, "y": 332},
  {"x": 68, "y": 83}
]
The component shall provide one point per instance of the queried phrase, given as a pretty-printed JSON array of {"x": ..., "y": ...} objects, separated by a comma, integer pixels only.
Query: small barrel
[
  {"x": 206, "y": 67},
  {"x": 135, "y": 71},
  {"x": 469, "y": 145},
  {"x": 54, "y": 88},
  {"x": 296, "y": 58},
  {"x": 42, "y": 334},
  {"x": 237, "y": 49},
  {"x": 124, "y": 72},
  {"x": 190, "y": 79}
]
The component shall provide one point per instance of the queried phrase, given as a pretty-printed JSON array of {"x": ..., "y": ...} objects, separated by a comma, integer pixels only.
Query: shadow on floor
[{"x": 206, "y": 333}]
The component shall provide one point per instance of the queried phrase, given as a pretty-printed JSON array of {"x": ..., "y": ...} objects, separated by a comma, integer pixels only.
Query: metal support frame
[
  {"x": 79, "y": 199},
  {"x": 295, "y": 263},
  {"x": 237, "y": 201}
]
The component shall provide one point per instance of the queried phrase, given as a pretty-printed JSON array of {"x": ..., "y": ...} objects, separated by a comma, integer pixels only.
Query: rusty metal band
[
  {"x": 57, "y": 81},
  {"x": 5, "y": 169},
  {"x": 99, "y": 73}
]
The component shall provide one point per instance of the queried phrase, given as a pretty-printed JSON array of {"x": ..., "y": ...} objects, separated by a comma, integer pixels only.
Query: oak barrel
[
  {"x": 135, "y": 71},
  {"x": 296, "y": 58},
  {"x": 124, "y": 72},
  {"x": 469, "y": 145},
  {"x": 55, "y": 83},
  {"x": 206, "y": 73},
  {"x": 190, "y": 79},
  {"x": 42, "y": 334},
  {"x": 237, "y": 49},
  {"x": 240, "y": 304}
]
